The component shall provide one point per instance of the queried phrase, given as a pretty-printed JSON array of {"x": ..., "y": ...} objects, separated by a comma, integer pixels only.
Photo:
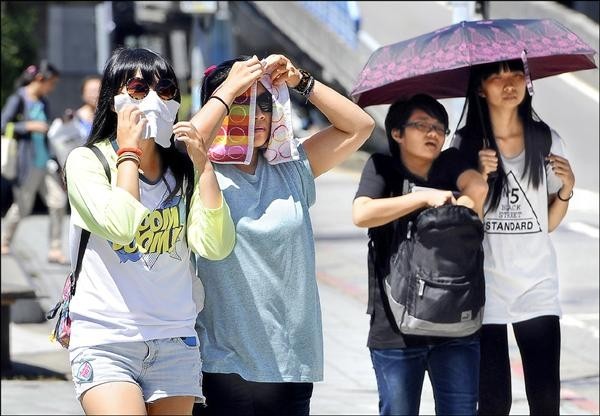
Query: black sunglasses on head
[{"x": 138, "y": 88}]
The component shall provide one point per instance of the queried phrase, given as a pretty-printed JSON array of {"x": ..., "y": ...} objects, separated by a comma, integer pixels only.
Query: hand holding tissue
[{"x": 160, "y": 115}]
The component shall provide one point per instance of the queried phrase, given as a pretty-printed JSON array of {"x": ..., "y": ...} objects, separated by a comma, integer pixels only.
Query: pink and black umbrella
[{"x": 438, "y": 63}]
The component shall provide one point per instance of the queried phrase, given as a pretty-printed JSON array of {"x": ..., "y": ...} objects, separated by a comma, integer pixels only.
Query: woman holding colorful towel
[{"x": 260, "y": 331}]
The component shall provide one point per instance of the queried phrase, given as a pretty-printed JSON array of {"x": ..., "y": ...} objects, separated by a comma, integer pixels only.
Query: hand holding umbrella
[
  {"x": 439, "y": 63},
  {"x": 488, "y": 162}
]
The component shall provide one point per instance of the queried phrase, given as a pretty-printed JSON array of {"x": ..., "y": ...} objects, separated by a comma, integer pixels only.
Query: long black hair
[
  {"x": 122, "y": 65},
  {"x": 478, "y": 125},
  {"x": 401, "y": 110}
]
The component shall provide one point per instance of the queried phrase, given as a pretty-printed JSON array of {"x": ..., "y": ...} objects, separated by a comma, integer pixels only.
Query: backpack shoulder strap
[{"x": 406, "y": 189}]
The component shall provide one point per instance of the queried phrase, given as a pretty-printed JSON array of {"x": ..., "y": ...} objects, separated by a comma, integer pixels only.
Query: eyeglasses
[
  {"x": 426, "y": 127},
  {"x": 138, "y": 88},
  {"x": 265, "y": 102}
]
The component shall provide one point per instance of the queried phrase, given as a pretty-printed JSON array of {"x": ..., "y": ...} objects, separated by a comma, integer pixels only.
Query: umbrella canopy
[{"x": 438, "y": 63}]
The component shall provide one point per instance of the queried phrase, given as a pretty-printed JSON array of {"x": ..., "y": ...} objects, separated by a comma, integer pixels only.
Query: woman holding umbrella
[{"x": 528, "y": 197}]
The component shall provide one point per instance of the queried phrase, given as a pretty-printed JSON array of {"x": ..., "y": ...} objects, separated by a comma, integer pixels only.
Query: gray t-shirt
[{"x": 262, "y": 318}]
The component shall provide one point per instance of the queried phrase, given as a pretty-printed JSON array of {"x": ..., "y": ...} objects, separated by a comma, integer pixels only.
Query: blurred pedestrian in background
[
  {"x": 416, "y": 130},
  {"x": 528, "y": 198},
  {"x": 37, "y": 172},
  {"x": 260, "y": 331},
  {"x": 84, "y": 116},
  {"x": 133, "y": 348},
  {"x": 74, "y": 127}
]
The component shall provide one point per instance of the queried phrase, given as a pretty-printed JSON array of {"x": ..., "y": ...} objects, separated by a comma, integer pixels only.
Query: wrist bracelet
[
  {"x": 135, "y": 150},
  {"x": 309, "y": 88},
  {"x": 564, "y": 200},
  {"x": 128, "y": 156},
  {"x": 303, "y": 83},
  {"x": 216, "y": 97},
  {"x": 306, "y": 82},
  {"x": 126, "y": 159}
]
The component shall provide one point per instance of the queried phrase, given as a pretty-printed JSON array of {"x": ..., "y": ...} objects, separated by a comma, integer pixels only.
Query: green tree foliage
[{"x": 19, "y": 47}]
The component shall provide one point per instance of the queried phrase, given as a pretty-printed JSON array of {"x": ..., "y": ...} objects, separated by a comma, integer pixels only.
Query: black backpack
[{"x": 436, "y": 285}]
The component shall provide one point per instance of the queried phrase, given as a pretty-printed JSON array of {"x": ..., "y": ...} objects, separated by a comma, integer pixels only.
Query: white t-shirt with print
[
  {"x": 521, "y": 272},
  {"x": 128, "y": 293}
]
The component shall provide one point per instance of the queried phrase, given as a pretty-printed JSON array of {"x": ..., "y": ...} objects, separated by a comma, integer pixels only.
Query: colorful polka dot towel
[{"x": 234, "y": 142}]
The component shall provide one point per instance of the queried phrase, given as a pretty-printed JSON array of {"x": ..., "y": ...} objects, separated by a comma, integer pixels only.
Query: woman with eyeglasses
[
  {"x": 416, "y": 131},
  {"x": 133, "y": 347},
  {"x": 531, "y": 183},
  {"x": 260, "y": 331}
]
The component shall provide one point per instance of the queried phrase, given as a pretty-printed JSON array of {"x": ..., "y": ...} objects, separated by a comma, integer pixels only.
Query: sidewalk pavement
[{"x": 41, "y": 382}]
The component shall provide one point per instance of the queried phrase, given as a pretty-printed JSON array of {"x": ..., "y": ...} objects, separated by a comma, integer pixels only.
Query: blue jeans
[{"x": 453, "y": 369}]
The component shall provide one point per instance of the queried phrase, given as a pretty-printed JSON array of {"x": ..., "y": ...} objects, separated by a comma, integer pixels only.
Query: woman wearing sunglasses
[
  {"x": 260, "y": 331},
  {"x": 133, "y": 347}
]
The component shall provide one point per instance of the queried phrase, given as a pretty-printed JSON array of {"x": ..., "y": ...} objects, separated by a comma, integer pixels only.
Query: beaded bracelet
[
  {"x": 216, "y": 97},
  {"x": 564, "y": 200},
  {"x": 135, "y": 150}
]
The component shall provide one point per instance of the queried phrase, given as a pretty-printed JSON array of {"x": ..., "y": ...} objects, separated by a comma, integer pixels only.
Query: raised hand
[
  {"x": 282, "y": 70},
  {"x": 488, "y": 162},
  {"x": 131, "y": 123},
  {"x": 209, "y": 191},
  {"x": 242, "y": 75},
  {"x": 186, "y": 132}
]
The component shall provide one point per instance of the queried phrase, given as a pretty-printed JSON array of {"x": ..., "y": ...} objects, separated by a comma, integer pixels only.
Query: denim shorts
[{"x": 161, "y": 367}]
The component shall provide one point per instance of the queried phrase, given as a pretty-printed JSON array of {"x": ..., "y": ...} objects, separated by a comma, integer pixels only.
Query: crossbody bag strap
[
  {"x": 83, "y": 240},
  {"x": 85, "y": 234},
  {"x": 85, "y": 237},
  {"x": 102, "y": 159}
]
